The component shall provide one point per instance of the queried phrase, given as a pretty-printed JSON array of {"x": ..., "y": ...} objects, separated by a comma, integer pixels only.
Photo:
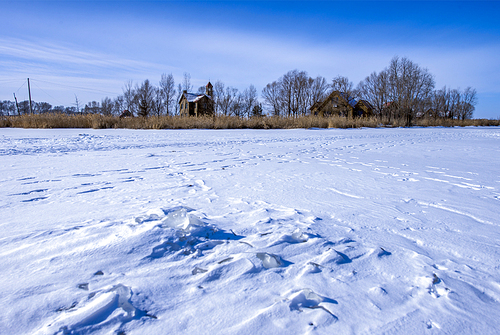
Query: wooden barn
[
  {"x": 363, "y": 108},
  {"x": 338, "y": 103},
  {"x": 193, "y": 104}
]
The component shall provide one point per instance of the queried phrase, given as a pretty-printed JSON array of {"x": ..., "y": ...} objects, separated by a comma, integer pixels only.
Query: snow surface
[{"x": 366, "y": 231}]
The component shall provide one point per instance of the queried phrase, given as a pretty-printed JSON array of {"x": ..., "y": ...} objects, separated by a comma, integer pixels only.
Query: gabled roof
[
  {"x": 193, "y": 97},
  {"x": 366, "y": 103},
  {"x": 318, "y": 105},
  {"x": 351, "y": 102},
  {"x": 201, "y": 97}
]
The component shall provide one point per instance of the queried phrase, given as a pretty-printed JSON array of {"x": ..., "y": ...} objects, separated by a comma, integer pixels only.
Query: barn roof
[
  {"x": 351, "y": 102},
  {"x": 366, "y": 103}
]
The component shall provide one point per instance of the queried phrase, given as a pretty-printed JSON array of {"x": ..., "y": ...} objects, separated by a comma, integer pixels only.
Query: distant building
[
  {"x": 126, "y": 113},
  {"x": 192, "y": 104},
  {"x": 363, "y": 108},
  {"x": 338, "y": 103}
]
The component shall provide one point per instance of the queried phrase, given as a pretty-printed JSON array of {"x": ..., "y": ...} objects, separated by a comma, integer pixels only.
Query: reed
[{"x": 97, "y": 121}]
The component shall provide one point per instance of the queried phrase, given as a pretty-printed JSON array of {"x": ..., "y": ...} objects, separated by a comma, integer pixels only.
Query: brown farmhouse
[
  {"x": 338, "y": 103},
  {"x": 192, "y": 104}
]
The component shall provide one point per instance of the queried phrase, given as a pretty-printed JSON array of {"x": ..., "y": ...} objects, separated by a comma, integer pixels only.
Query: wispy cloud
[
  {"x": 65, "y": 58},
  {"x": 60, "y": 71}
]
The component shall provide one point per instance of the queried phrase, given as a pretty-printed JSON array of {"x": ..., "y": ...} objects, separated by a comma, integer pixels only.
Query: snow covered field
[{"x": 366, "y": 231}]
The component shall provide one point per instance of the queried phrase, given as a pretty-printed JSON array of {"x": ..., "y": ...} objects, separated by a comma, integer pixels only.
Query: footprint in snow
[
  {"x": 83, "y": 286},
  {"x": 382, "y": 252},
  {"x": 30, "y": 192},
  {"x": 34, "y": 199}
]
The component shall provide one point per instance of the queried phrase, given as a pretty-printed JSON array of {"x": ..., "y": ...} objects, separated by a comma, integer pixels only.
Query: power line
[
  {"x": 57, "y": 100},
  {"x": 24, "y": 83}
]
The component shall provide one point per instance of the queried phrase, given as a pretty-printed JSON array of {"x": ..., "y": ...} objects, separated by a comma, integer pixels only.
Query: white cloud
[{"x": 63, "y": 58}]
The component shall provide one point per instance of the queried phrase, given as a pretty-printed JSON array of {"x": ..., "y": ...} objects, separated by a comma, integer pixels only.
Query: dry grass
[
  {"x": 221, "y": 122},
  {"x": 456, "y": 123}
]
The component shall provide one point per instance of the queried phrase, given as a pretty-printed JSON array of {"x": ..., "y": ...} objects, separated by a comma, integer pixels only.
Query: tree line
[
  {"x": 403, "y": 90},
  {"x": 146, "y": 99}
]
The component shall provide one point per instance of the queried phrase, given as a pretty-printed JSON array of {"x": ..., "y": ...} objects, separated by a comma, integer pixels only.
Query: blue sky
[{"x": 91, "y": 48}]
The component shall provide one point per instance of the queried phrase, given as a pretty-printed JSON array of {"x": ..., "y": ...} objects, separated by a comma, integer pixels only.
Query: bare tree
[
  {"x": 70, "y": 110},
  {"x": 467, "y": 106},
  {"x": 42, "y": 107},
  {"x": 168, "y": 93},
  {"x": 186, "y": 83},
  {"x": 271, "y": 95},
  {"x": 157, "y": 103},
  {"x": 249, "y": 97},
  {"x": 375, "y": 89},
  {"x": 118, "y": 105},
  {"x": 237, "y": 104},
  {"x": 7, "y": 107},
  {"x": 129, "y": 97},
  {"x": 403, "y": 90},
  {"x": 92, "y": 107},
  {"x": 294, "y": 93},
  {"x": 257, "y": 110},
  {"x": 453, "y": 103},
  {"x": 58, "y": 109},
  {"x": 218, "y": 94},
  {"x": 318, "y": 89},
  {"x": 145, "y": 98},
  {"x": 177, "y": 99},
  {"x": 107, "y": 106},
  {"x": 300, "y": 93},
  {"x": 410, "y": 86},
  {"x": 227, "y": 100}
]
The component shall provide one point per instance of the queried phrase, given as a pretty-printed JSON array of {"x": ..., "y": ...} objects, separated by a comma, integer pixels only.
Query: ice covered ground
[{"x": 367, "y": 231}]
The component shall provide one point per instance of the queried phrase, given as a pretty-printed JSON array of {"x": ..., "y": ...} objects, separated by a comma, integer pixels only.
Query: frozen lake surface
[{"x": 364, "y": 231}]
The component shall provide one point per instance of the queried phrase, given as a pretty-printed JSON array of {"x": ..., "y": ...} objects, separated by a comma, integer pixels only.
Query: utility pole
[
  {"x": 29, "y": 93},
  {"x": 17, "y": 105}
]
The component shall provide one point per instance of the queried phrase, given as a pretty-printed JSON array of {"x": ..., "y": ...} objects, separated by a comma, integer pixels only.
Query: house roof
[
  {"x": 194, "y": 97},
  {"x": 366, "y": 103},
  {"x": 201, "y": 97},
  {"x": 352, "y": 102}
]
